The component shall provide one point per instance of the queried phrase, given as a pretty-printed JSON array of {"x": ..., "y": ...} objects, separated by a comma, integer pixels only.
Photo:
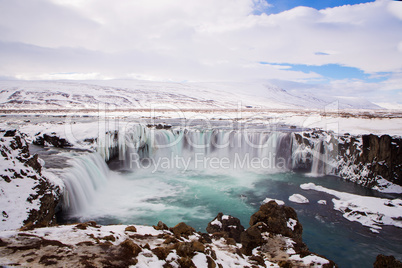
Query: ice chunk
[{"x": 298, "y": 198}]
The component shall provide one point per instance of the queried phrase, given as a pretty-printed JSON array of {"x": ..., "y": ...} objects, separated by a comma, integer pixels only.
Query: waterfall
[
  {"x": 300, "y": 154},
  {"x": 82, "y": 179},
  {"x": 318, "y": 165},
  {"x": 108, "y": 145},
  {"x": 191, "y": 149},
  {"x": 317, "y": 154},
  {"x": 272, "y": 149}
]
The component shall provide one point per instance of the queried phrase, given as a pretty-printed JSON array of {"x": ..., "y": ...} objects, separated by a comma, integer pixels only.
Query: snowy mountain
[{"x": 148, "y": 94}]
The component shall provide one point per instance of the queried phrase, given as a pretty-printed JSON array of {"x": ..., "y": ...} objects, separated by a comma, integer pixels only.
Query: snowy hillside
[{"x": 146, "y": 94}]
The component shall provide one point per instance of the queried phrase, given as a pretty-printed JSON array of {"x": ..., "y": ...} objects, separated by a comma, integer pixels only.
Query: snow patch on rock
[
  {"x": 291, "y": 223},
  {"x": 216, "y": 222},
  {"x": 279, "y": 202}
]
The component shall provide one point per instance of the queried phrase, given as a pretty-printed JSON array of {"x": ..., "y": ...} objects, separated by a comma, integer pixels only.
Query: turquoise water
[{"x": 197, "y": 196}]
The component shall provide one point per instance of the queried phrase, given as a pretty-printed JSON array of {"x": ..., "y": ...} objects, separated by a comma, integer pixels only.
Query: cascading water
[
  {"x": 324, "y": 157},
  {"x": 87, "y": 174},
  {"x": 160, "y": 150},
  {"x": 195, "y": 147}
]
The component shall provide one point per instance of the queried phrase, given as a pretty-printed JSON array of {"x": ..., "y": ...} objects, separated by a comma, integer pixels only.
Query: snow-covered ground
[
  {"x": 368, "y": 211},
  {"x": 88, "y": 243},
  {"x": 142, "y": 94},
  {"x": 21, "y": 182},
  {"x": 255, "y": 103}
]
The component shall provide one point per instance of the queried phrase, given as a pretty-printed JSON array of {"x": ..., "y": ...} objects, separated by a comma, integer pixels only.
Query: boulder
[
  {"x": 226, "y": 224},
  {"x": 53, "y": 140},
  {"x": 251, "y": 238},
  {"x": 182, "y": 229},
  {"x": 276, "y": 219},
  {"x": 130, "y": 228},
  {"x": 387, "y": 262},
  {"x": 161, "y": 226}
]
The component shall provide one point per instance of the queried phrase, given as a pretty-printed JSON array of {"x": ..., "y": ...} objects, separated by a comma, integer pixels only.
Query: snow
[
  {"x": 279, "y": 202},
  {"x": 13, "y": 201},
  {"x": 142, "y": 229},
  {"x": 385, "y": 186},
  {"x": 298, "y": 198},
  {"x": 356, "y": 124},
  {"x": 307, "y": 260},
  {"x": 216, "y": 222},
  {"x": 368, "y": 211},
  {"x": 137, "y": 93},
  {"x": 225, "y": 217},
  {"x": 200, "y": 260},
  {"x": 18, "y": 184},
  {"x": 147, "y": 259},
  {"x": 322, "y": 202},
  {"x": 291, "y": 223},
  {"x": 196, "y": 100},
  {"x": 390, "y": 105},
  {"x": 228, "y": 257}
]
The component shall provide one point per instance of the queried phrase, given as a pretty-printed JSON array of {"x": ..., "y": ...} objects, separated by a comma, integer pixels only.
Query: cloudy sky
[{"x": 351, "y": 48}]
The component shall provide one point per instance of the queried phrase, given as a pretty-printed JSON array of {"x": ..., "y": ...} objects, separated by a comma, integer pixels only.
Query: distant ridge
[{"x": 146, "y": 94}]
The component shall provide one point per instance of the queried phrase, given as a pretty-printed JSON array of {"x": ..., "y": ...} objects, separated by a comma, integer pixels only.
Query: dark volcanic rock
[
  {"x": 384, "y": 154},
  {"x": 161, "y": 226},
  {"x": 53, "y": 140},
  {"x": 34, "y": 163},
  {"x": 273, "y": 219},
  {"x": 226, "y": 224},
  {"x": 387, "y": 262},
  {"x": 362, "y": 159},
  {"x": 276, "y": 218},
  {"x": 10, "y": 133},
  {"x": 182, "y": 229},
  {"x": 251, "y": 238}
]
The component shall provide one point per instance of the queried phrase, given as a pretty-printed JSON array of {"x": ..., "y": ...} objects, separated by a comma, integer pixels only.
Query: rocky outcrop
[
  {"x": 28, "y": 197},
  {"x": 369, "y": 160},
  {"x": 387, "y": 262},
  {"x": 273, "y": 219},
  {"x": 278, "y": 219},
  {"x": 226, "y": 226},
  {"x": 274, "y": 234},
  {"x": 182, "y": 229},
  {"x": 45, "y": 139},
  {"x": 33, "y": 250},
  {"x": 384, "y": 157}
]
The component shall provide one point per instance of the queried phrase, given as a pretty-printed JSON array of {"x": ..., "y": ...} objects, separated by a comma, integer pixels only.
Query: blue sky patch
[
  {"x": 335, "y": 72},
  {"x": 277, "y": 6}
]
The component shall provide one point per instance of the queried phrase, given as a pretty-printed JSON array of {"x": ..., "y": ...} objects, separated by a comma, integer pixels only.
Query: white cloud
[
  {"x": 195, "y": 40},
  {"x": 395, "y": 8}
]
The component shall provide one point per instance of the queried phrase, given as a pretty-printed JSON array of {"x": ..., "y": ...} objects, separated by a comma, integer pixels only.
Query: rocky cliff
[
  {"x": 370, "y": 160},
  {"x": 27, "y": 197}
]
